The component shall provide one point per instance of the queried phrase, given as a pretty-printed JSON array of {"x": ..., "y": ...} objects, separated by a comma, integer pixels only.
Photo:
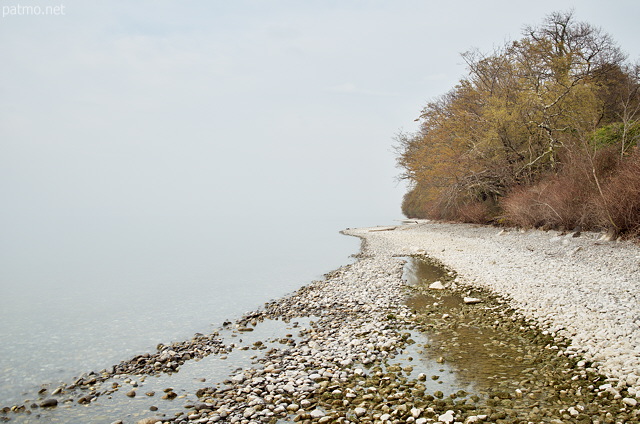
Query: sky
[{"x": 165, "y": 110}]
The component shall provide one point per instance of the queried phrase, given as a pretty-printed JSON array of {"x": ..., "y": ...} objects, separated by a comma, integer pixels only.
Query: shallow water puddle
[
  {"x": 213, "y": 370},
  {"x": 479, "y": 355},
  {"x": 415, "y": 360}
]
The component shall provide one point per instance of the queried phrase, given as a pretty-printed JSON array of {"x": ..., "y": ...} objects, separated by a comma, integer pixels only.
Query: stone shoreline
[
  {"x": 344, "y": 367},
  {"x": 579, "y": 286}
]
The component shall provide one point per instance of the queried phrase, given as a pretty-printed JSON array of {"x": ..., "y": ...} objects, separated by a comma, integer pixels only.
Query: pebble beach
[
  {"x": 523, "y": 326},
  {"x": 581, "y": 286}
]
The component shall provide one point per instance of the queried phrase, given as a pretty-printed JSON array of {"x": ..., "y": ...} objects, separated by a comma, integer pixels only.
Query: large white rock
[
  {"x": 360, "y": 412},
  {"x": 316, "y": 413},
  {"x": 447, "y": 417},
  {"x": 437, "y": 285},
  {"x": 238, "y": 378},
  {"x": 471, "y": 300}
]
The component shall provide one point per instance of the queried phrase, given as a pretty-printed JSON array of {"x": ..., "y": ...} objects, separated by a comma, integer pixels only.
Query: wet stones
[
  {"x": 49, "y": 403},
  {"x": 437, "y": 285},
  {"x": 341, "y": 366}
]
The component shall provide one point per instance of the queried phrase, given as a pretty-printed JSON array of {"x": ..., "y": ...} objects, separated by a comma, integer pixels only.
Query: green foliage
[{"x": 617, "y": 133}]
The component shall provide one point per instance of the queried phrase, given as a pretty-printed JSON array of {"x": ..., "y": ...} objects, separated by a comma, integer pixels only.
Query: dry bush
[
  {"x": 476, "y": 213},
  {"x": 522, "y": 207},
  {"x": 559, "y": 201},
  {"x": 619, "y": 203},
  {"x": 572, "y": 197}
]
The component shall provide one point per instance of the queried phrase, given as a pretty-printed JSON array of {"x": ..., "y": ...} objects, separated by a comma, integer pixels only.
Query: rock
[
  {"x": 316, "y": 413},
  {"x": 447, "y": 417},
  {"x": 415, "y": 412},
  {"x": 471, "y": 300},
  {"x": 170, "y": 395},
  {"x": 149, "y": 421},
  {"x": 49, "y": 403},
  {"x": 421, "y": 421},
  {"x": 131, "y": 394},
  {"x": 608, "y": 236},
  {"x": 437, "y": 285},
  {"x": 630, "y": 402},
  {"x": 359, "y": 412},
  {"x": 238, "y": 378}
]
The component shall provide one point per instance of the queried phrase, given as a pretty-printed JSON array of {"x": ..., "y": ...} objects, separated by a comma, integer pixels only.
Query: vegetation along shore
[{"x": 542, "y": 132}]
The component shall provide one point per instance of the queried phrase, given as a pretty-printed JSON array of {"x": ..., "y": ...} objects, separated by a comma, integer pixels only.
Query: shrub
[
  {"x": 619, "y": 203},
  {"x": 476, "y": 212},
  {"x": 560, "y": 201}
]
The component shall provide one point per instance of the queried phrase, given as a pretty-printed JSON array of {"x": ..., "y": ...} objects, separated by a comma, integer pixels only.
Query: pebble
[
  {"x": 447, "y": 417},
  {"x": 316, "y": 413},
  {"x": 49, "y": 403},
  {"x": 437, "y": 285}
]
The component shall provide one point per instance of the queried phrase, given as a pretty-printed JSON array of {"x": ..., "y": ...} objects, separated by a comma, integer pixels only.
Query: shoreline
[
  {"x": 578, "y": 286},
  {"x": 350, "y": 364}
]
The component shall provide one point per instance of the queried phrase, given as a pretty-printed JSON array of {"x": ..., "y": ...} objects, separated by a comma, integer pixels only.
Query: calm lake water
[{"x": 78, "y": 297}]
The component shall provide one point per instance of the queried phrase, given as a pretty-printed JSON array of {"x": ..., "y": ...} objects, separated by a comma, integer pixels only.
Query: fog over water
[
  {"x": 95, "y": 297},
  {"x": 165, "y": 166}
]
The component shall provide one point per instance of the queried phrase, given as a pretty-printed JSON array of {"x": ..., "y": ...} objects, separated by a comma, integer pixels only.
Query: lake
[{"x": 81, "y": 296}]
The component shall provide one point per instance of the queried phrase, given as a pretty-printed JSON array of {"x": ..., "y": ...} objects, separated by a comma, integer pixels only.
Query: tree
[{"x": 524, "y": 112}]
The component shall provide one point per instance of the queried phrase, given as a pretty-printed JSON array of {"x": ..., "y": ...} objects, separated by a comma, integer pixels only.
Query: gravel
[{"x": 579, "y": 286}]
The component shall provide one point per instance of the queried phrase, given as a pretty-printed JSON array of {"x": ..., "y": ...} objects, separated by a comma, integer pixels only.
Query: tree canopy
[{"x": 558, "y": 105}]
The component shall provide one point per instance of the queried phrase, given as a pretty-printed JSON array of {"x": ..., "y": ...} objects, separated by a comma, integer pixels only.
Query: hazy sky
[{"x": 143, "y": 110}]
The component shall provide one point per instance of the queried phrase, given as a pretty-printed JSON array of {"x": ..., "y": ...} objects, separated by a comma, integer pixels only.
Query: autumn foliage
[{"x": 543, "y": 132}]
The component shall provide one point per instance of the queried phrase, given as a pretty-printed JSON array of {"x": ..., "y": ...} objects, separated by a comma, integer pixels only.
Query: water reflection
[
  {"x": 210, "y": 371},
  {"x": 479, "y": 354}
]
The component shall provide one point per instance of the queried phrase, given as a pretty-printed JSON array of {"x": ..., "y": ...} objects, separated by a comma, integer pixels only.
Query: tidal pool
[{"x": 480, "y": 353}]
